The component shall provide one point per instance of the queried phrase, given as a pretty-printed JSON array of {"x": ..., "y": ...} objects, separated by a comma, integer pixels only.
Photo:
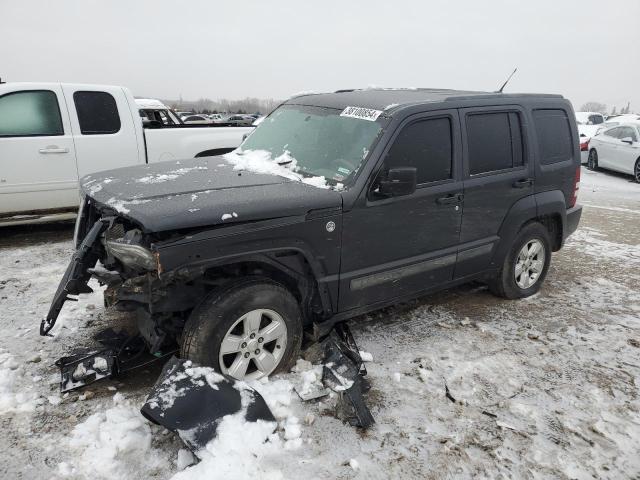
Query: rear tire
[
  {"x": 259, "y": 322},
  {"x": 592, "y": 162},
  {"x": 526, "y": 264}
]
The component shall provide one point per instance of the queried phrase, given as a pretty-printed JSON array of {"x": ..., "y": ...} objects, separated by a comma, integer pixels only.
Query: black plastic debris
[
  {"x": 343, "y": 373},
  {"x": 122, "y": 353},
  {"x": 82, "y": 369},
  {"x": 191, "y": 400}
]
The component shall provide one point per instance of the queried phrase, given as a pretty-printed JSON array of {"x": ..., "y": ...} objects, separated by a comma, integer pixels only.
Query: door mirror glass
[
  {"x": 399, "y": 181},
  {"x": 628, "y": 140}
]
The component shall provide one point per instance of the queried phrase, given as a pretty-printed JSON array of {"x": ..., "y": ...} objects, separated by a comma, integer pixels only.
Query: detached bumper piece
[
  {"x": 191, "y": 401},
  {"x": 344, "y": 373},
  {"x": 122, "y": 353},
  {"x": 74, "y": 280}
]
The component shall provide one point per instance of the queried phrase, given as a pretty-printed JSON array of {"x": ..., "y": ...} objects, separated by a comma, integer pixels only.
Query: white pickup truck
[{"x": 53, "y": 134}]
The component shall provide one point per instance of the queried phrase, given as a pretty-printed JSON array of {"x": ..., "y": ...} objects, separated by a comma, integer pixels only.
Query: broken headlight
[{"x": 130, "y": 252}]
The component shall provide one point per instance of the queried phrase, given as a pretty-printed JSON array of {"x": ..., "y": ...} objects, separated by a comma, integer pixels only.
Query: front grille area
[{"x": 115, "y": 232}]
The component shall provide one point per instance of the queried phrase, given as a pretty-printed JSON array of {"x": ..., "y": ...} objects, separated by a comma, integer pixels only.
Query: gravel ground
[{"x": 545, "y": 387}]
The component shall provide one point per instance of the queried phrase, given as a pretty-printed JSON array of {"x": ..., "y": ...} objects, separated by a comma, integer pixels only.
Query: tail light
[
  {"x": 576, "y": 188},
  {"x": 584, "y": 146}
]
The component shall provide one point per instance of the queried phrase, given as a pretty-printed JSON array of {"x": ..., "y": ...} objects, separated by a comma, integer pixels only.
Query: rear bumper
[{"x": 573, "y": 219}]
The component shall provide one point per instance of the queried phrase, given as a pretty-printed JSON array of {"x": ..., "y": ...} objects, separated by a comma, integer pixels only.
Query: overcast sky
[{"x": 583, "y": 49}]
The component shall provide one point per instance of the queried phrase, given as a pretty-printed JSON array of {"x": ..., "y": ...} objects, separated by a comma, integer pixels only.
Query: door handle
[
  {"x": 53, "y": 149},
  {"x": 525, "y": 182},
  {"x": 450, "y": 199}
]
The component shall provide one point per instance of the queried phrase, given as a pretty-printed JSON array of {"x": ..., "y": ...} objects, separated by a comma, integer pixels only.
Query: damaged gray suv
[{"x": 336, "y": 205}]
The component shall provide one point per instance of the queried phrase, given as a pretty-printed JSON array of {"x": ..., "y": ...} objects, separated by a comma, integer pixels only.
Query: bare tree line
[{"x": 602, "y": 108}]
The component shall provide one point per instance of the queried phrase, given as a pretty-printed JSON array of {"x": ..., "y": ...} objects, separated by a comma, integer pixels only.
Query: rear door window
[
  {"x": 494, "y": 142},
  {"x": 427, "y": 146},
  {"x": 97, "y": 113},
  {"x": 628, "y": 132},
  {"x": 555, "y": 141},
  {"x": 33, "y": 113},
  {"x": 612, "y": 132}
]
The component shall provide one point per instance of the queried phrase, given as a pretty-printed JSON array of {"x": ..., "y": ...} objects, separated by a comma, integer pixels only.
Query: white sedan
[
  {"x": 588, "y": 124},
  {"x": 617, "y": 148}
]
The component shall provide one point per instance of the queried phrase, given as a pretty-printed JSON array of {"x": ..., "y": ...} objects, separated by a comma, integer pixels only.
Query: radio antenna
[{"x": 507, "y": 80}]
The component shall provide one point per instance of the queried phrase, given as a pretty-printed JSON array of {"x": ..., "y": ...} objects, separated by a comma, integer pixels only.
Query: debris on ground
[
  {"x": 344, "y": 373},
  {"x": 122, "y": 353},
  {"x": 191, "y": 400}
]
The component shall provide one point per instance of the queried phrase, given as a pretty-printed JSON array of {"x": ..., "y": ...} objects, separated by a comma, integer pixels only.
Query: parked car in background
[
  {"x": 588, "y": 124},
  {"x": 51, "y": 134},
  {"x": 152, "y": 110},
  {"x": 617, "y": 148},
  {"x": 182, "y": 114},
  {"x": 612, "y": 121},
  {"x": 240, "y": 120},
  {"x": 431, "y": 188},
  {"x": 196, "y": 120}
]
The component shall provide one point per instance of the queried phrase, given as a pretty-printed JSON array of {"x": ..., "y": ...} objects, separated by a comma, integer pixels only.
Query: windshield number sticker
[{"x": 361, "y": 113}]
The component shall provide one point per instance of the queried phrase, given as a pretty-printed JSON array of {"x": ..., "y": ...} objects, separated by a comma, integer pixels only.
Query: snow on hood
[
  {"x": 209, "y": 191},
  {"x": 261, "y": 161}
]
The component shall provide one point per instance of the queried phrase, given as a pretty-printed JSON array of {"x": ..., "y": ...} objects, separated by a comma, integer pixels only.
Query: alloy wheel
[
  {"x": 254, "y": 345},
  {"x": 529, "y": 264}
]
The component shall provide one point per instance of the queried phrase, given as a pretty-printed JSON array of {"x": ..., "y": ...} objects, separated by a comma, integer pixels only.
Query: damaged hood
[{"x": 202, "y": 192}]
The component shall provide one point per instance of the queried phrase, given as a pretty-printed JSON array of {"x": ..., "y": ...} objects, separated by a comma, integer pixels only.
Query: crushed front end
[{"x": 116, "y": 252}]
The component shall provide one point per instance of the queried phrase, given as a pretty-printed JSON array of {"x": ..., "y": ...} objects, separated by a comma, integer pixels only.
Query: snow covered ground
[{"x": 545, "y": 387}]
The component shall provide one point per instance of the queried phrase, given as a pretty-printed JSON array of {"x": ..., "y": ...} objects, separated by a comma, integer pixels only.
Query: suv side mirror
[
  {"x": 628, "y": 140},
  {"x": 399, "y": 181}
]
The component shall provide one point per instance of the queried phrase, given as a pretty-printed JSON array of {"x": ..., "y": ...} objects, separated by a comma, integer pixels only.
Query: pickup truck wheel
[
  {"x": 248, "y": 330},
  {"x": 525, "y": 266}
]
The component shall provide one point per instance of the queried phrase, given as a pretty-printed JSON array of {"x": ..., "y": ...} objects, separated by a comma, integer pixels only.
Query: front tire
[
  {"x": 636, "y": 171},
  {"x": 526, "y": 264},
  {"x": 592, "y": 161},
  {"x": 251, "y": 329}
]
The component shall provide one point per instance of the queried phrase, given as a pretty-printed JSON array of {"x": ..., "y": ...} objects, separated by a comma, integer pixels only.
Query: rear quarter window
[
  {"x": 555, "y": 142},
  {"x": 97, "y": 113},
  {"x": 494, "y": 142}
]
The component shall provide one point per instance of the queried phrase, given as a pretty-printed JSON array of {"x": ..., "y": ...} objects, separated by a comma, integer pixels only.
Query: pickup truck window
[
  {"x": 425, "y": 145},
  {"x": 97, "y": 113},
  {"x": 321, "y": 141},
  {"x": 495, "y": 142},
  {"x": 30, "y": 113},
  {"x": 554, "y": 135}
]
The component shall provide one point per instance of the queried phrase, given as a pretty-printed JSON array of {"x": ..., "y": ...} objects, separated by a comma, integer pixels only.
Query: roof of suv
[{"x": 389, "y": 99}]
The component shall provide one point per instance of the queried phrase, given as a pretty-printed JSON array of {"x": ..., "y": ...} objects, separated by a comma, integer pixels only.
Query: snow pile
[
  {"x": 14, "y": 397},
  {"x": 261, "y": 161},
  {"x": 114, "y": 443},
  {"x": 244, "y": 449}
]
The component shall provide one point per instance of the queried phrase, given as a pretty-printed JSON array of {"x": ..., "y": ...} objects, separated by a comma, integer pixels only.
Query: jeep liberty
[{"x": 336, "y": 205}]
